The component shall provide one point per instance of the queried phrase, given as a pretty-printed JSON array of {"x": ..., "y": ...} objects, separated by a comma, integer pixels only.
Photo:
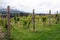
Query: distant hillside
[
  {"x": 13, "y": 11},
  {"x": 4, "y": 10},
  {"x": 21, "y": 13}
]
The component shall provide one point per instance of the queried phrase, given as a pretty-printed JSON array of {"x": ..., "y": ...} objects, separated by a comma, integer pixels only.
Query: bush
[
  {"x": 1, "y": 22},
  {"x": 29, "y": 18},
  {"x": 17, "y": 19},
  {"x": 44, "y": 18},
  {"x": 6, "y": 26},
  {"x": 24, "y": 23},
  {"x": 37, "y": 17}
]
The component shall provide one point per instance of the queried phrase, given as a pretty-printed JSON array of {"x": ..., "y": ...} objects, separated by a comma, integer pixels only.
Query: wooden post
[
  {"x": 49, "y": 17},
  {"x": 8, "y": 21},
  {"x": 57, "y": 18},
  {"x": 33, "y": 18}
]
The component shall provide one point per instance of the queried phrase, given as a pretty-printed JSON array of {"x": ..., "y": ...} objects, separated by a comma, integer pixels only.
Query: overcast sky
[{"x": 27, "y": 5}]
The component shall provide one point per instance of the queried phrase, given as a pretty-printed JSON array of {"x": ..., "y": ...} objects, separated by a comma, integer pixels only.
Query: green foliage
[
  {"x": 44, "y": 19},
  {"x": 5, "y": 23},
  {"x": 17, "y": 19},
  {"x": 42, "y": 33},
  {"x": 24, "y": 22},
  {"x": 52, "y": 34},
  {"x": 5, "y": 26},
  {"x": 57, "y": 18},
  {"x": 37, "y": 16},
  {"x": 1, "y": 22}
]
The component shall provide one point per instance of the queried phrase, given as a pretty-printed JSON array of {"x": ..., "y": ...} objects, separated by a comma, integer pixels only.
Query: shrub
[
  {"x": 37, "y": 17},
  {"x": 17, "y": 19},
  {"x": 1, "y": 22},
  {"x": 25, "y": 23},
  {"x": 44, "y": 19},
  {"x": 6, "y": 26}
]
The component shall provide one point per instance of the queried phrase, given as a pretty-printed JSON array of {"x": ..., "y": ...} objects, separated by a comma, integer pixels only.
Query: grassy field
[{"x": 43, "y": 32}]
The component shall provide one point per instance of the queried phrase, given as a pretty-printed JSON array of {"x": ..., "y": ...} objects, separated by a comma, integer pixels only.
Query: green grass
[{"x": 43, "y": 33}]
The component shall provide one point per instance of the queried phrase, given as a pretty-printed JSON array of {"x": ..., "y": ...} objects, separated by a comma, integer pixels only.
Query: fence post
[
  {"x": 33, "y": 18},
  {"x": 49, "y": 17},
  {"x": 57, "y": 17},
  {"x": 8, "y": 22}
]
